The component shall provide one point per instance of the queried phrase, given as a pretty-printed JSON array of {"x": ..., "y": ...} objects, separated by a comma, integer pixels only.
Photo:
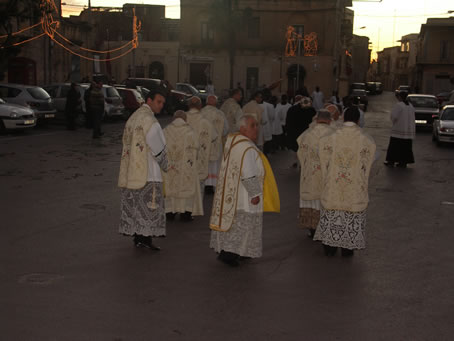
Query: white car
[
  {"x": 443, "y": 126},
  {"x": 14, "y": 116},
  {"x": 34, "y": 97},
  {"x": 113, "y": 103},
  {"x": 426, "y": 106}
]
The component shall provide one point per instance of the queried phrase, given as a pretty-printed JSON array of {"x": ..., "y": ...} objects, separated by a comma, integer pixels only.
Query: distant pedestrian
[
  {"x": 317, "y": 99},
  {"x": 254, "y": 107},
  {"x": 97, "y": 109},
  {"x": 72, "y": 106},
  {"x": 209, "y": 88},
  {"x": 346, "y": 158},
  {"x": 281, "y": 115},
  {"x": 88, "y": 111},
  {"x": 400, "y": 149},
  {"x": 239, "y": 87},
  {"x": 206, "y": 136},
  {"x": 232, "y": 110},
  {"x": 219, "y": 122},
  {"x": 143, "y": 157}
]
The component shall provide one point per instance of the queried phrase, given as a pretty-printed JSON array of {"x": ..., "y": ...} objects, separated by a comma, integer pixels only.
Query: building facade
[
  {"x": 245, "y": 42},
  {"x": 435, "y": 60}
]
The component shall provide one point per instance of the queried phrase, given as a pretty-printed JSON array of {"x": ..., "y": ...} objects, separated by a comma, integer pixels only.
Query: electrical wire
[
  {"x": 24, "y": 41},
  {"x": 23, "y": 30},
  {"x": 93, "y": 51}
]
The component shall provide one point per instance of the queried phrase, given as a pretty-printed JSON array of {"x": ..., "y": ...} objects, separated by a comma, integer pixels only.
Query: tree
[
  {"x": 227, "y": 20},
  {"x": 24, "y": 13}
]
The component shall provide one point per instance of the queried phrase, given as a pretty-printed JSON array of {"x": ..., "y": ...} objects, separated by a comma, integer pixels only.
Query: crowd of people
[{"x": 165, "y": 173}]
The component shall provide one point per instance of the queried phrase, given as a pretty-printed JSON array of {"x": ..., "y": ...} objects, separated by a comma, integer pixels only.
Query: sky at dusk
[{"x": 384, "y": 22}]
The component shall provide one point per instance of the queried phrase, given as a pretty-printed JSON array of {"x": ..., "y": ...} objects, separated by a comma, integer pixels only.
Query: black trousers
[{"x": 97, "y": 119}]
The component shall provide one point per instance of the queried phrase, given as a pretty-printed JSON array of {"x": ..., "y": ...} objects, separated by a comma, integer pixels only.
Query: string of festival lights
[{"x": 50, "y": 26}]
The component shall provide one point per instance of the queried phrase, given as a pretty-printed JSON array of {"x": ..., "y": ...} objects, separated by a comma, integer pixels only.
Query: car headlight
[{"x": 14, "y": 115}]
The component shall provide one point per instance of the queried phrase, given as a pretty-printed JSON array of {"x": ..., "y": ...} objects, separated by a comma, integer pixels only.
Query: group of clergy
[{"x": 164, "y": 172}]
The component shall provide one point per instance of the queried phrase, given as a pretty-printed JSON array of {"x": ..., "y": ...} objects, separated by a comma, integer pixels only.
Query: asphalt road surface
[{"x": 66, "y": 274}]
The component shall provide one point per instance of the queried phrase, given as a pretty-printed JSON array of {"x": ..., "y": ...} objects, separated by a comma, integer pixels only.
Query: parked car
[
  {"x": 443, "y": 125},
  {"x": 371, "y": 87},
  {"x": 132, "y": 99},
  {"x": 360, "y": 86},
  {"x": 443, "y": 97},
  {"x": 33, "y": 97},
  {"x": 379, "y": 87},
  {"x": 14, "y": 116},
  {"x": 425, "y": 107},
  {"x": 175, "y": 100},
  {"x": 58, "y": 92},
  {"x": 450, "y": 99},
  {"x": 191, "y": 90},
  {"x": 403, "y": 88},
  {"x": 361, "y": 95}
]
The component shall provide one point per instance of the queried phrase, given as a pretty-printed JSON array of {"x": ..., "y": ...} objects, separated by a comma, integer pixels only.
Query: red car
[{"x": 132, "y": 99}]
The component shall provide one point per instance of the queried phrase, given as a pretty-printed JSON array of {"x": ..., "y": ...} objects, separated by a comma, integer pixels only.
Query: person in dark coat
[
  {"x": 88, "y": 113},
  {"x": 299, "y": 116},
  {"x": 97, "y": 109},
  {"x": 72, "y": 107}
]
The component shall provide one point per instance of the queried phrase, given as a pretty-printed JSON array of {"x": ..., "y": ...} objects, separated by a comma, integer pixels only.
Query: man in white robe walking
[
  {"x": 206, "y": 135},
  {"x": 219, "y": 122},
  {"x": 181, "y": 182},
  {"x": 346, "y": 158},
  {"x": 232, "y": 110},
  {"x": 253, "y": 107},
  {"x": 311, "y": 175}
]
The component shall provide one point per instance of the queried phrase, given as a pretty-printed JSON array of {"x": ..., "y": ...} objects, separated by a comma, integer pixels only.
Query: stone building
[
  {"x": 360, "y": 59},
  {"x": 44, "y": 61},
  {"x": 435, "y": 60},
  {"x": 246, "y": 42}
]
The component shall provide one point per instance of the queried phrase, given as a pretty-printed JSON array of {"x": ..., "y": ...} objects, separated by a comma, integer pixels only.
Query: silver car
[
  {"x": 33, "y": 97},
  {"x": 14, "y": 116},
  {"x": 59, "y": 92},
  {"x": 426, "y": 106},
  {"x": 443, "y": 126}
]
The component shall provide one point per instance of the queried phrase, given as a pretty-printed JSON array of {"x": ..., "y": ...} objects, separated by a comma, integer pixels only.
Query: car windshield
[
  {"x": 448, "y": 115},
  {"x": 404, "y": 87},
  {"x": 38, "y": 93},
  {"x": 358, "y": 86},
  {"x": 112, "y": 92},
  {"x": 358, "y": 92},
  {"x": 423, "y": 102}
]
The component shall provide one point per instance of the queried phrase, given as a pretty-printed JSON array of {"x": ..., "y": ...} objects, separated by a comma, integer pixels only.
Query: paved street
[{"x": 66, "y": 274}]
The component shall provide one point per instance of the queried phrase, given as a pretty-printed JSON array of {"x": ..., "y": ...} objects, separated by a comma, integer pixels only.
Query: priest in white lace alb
[
  {"x": 143, "y": 157},
  {"x": 206, "y": 135},
  {"x": 346, "y": 158},
  {"x": 311, "y": 175},
  {"x": 181, "y": 182},
  {"x": 237, "y": 213}
]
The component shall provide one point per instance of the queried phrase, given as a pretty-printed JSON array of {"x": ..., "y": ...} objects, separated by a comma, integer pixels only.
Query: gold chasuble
[{"x": 226, "y": 196}]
